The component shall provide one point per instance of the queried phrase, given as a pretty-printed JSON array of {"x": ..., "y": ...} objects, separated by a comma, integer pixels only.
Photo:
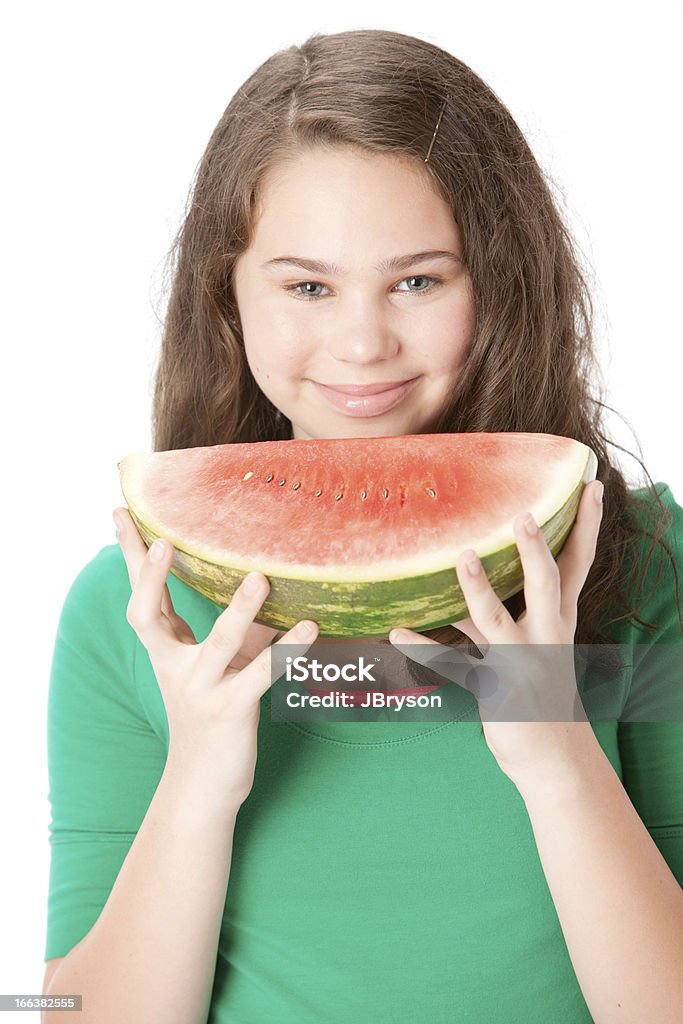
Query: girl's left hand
[{"x": 538, "y": 678}]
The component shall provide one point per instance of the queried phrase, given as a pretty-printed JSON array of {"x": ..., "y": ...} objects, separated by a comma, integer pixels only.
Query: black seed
[
  {"x": 269, "y": 478},
  {"x": 385, "y": 493},
  {"x": 318, "y": 493},
  {"x": 281, "y": 482},
  {"x": 338, "y": 496},
  {"x": 296, "y": 486},
  {"x": 431, "y": 491},
  {"x": 363, "y": 495}
]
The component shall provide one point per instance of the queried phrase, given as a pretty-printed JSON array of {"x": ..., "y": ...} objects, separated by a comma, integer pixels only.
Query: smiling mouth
[
  {"x": 365, "y": 399},
  {"x": 366, "y": 389}
]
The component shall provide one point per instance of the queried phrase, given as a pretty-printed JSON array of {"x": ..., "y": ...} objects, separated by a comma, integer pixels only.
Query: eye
[
  {"x": 424, "y": 282},
  {"x": 419, "y": 284},
  {"x": 307, "y": 294}
]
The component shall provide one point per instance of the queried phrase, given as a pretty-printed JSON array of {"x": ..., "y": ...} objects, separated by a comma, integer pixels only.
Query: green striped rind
[{"x": 366, "y": 609}]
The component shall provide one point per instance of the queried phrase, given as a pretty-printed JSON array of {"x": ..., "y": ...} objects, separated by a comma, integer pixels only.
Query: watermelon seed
[
  {"x": 248, "y": 476},
  {"x": 363, "y": 495},
  {"x": 269, "y": 478},
  {"x": 318, "y": 493},
  {"x": 385, "y": 493},
  {"x": 296, "y": 486},
  {"x": 338, "y": 496},
  {"x": 281, "y": 482},
  {"x": 431, "y": 492}
]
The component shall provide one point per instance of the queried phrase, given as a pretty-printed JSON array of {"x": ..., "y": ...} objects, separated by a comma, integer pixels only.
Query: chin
[{"x": 356, "y": 430}]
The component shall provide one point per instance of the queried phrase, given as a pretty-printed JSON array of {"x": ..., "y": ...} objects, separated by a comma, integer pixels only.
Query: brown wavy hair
[{"x": 532, "y": 365}]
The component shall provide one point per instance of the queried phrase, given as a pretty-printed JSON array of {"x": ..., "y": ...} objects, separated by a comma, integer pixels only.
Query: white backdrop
[{"x": 107, "y": 110}]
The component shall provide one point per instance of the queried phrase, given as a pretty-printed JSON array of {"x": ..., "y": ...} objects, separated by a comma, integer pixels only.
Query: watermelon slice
[{"x": 359, "y": 534}]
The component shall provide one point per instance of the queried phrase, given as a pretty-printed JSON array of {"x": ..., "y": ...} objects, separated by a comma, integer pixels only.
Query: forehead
[
  {"x": 346, "y": 160},
  {"x": 344, "y": 192}
]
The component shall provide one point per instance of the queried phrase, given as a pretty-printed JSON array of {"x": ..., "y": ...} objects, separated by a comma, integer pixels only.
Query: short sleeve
[
  {"x": 651, "y": 751},
  {"x": 104, "y": 758}
]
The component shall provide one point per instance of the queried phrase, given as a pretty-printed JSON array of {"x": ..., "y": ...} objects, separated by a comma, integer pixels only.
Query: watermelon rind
[{"x": 420, "y": 596}]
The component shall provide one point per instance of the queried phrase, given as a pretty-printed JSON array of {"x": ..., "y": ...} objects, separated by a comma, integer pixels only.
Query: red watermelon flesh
[{"x": 352, "y": 532}]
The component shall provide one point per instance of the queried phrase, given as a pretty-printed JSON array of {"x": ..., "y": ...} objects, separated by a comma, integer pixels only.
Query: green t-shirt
[{"x": 382, "y": 872}]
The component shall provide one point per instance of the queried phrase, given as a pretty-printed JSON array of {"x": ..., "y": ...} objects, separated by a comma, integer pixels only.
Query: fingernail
[
  {"x": 473, "y": 564},
  {"x": 157, "y": 550},
  {"x": 530, "y": 526},
  {"x": 398, "y": 636},
  {"x": 251, "y": 583},
  {"x": 598, "y": 492}
]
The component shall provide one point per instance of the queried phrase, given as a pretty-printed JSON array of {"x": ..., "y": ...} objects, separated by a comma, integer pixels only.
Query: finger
[
  {"x": 467, "y": 627},
  {"x": 450, "y": 662},
  {"x": 230, "y": 628},
  {"x": 135, "y": 552},
  {"x": 541, "y": 576},
  {"x": 144, "y": 611},
  {"x": 258, "y": 677},
  {"x": 578, "y": 554},
  {"x": 258, "y": 638},
  {"x": 487, "y": 611}
]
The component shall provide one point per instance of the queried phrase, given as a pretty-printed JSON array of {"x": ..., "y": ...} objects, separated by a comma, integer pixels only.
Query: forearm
[
  {"x": 151, "y": 954},
  {"x": 620, "y": 907}
]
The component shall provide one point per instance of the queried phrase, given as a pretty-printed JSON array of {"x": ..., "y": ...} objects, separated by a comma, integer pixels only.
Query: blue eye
[
  {"x": 305, "y": 284},
  {"x": 306, "y": 290},
  {"x": 430, "y": 283}
]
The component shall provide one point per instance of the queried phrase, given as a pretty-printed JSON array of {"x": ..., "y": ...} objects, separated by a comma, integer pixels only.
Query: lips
[
  {"x": 365, "y": 389},
  {"x": 366, "y": 399}
]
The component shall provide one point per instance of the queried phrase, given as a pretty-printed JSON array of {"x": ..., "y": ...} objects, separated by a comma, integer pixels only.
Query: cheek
[
  {"x": 291, "y": 338},
  {"x": 276, "y": 347},
  {"x": 255, "y": 360},
  {"x": 446, "y": 340}
]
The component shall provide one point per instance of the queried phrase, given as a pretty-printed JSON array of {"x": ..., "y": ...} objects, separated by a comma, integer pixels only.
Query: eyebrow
[{"x": 383, "y": 267}]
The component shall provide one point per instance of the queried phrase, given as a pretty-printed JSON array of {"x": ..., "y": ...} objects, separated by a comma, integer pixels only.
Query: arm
[
  {"x": 619, "y": 905},
  {"x": 151, "y": 954},
  {"x": 612, "y": 853}
]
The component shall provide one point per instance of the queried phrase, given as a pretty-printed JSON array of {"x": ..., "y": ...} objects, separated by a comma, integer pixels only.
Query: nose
[{"x": 362, "y": 332}]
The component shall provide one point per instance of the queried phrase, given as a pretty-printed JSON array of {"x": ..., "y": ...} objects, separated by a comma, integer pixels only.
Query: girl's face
[{"x": 354, "y": 280}]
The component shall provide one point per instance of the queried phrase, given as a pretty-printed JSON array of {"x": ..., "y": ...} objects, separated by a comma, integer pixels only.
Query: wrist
[
  {"x": 575, "y": 763},
  {"x": 193, "y": 790}
]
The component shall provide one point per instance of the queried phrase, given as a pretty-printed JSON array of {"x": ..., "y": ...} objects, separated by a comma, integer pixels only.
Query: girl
[{"x": 368, "y": 217}]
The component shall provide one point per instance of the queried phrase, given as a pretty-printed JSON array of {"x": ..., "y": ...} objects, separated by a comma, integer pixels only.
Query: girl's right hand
[{"x": 211, "y": 690}]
